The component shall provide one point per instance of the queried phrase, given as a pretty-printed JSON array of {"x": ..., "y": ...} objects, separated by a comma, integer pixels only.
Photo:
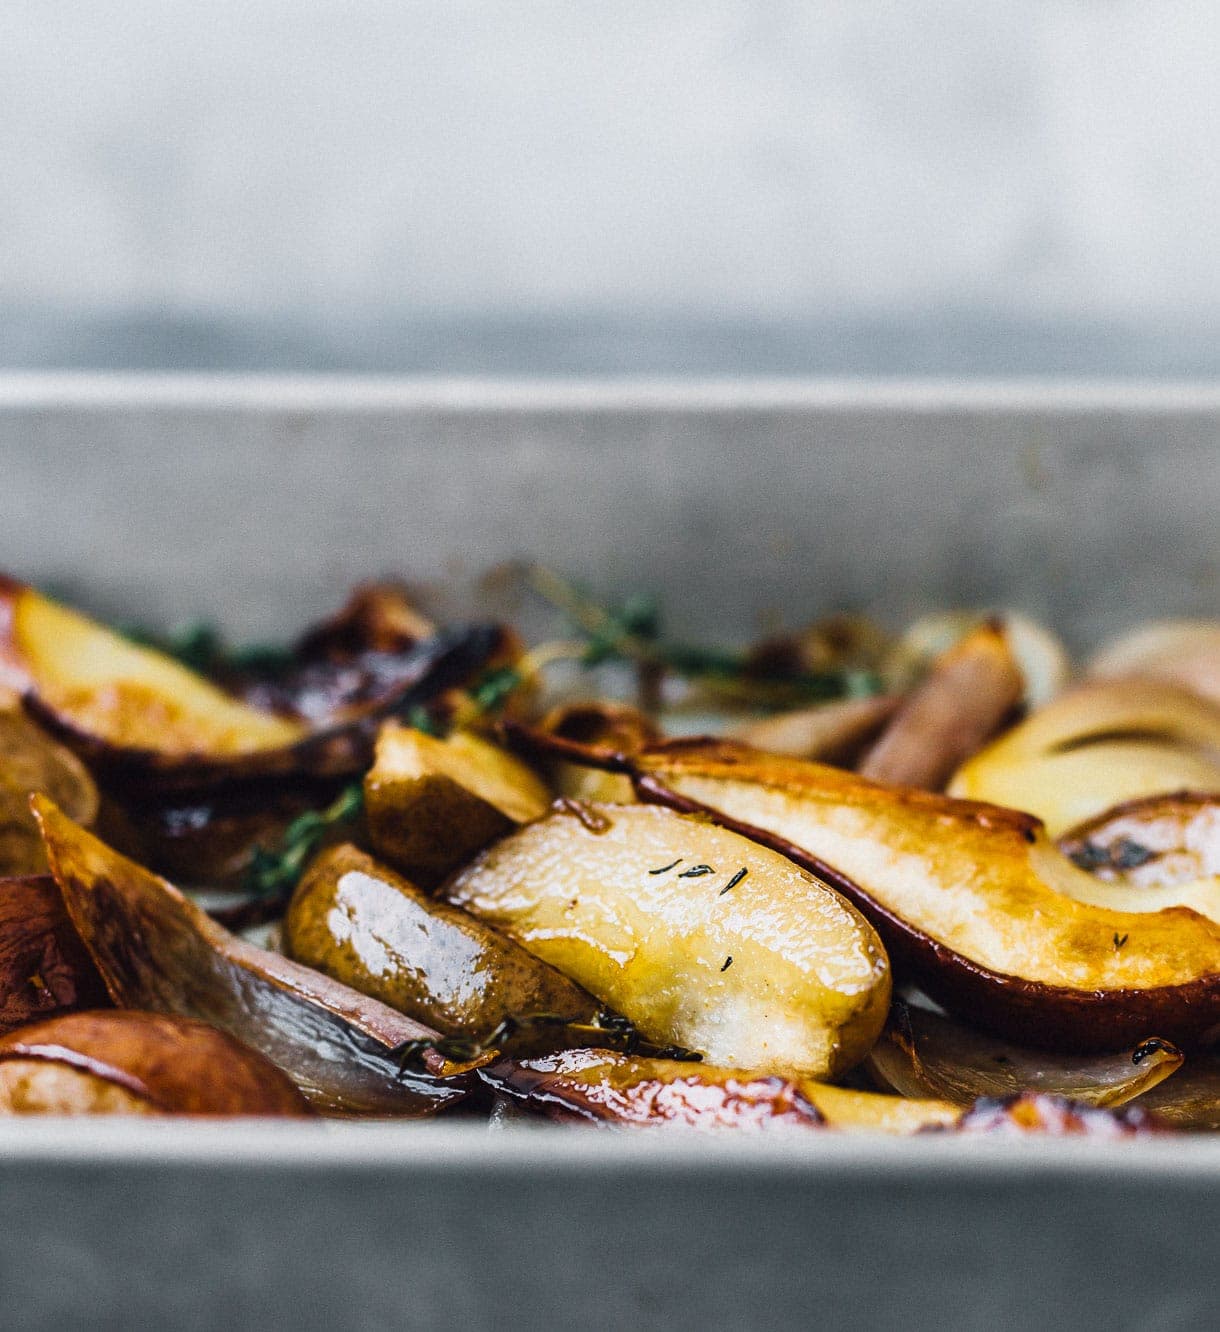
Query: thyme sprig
[
  {"x": 604, "y": 1029},
  {"x": 631, "y": 631},
  {"x": 273, "y": 873}
]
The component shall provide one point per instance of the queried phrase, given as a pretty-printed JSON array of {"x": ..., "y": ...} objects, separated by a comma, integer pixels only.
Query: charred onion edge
[{"x": 51, "y": 1052}]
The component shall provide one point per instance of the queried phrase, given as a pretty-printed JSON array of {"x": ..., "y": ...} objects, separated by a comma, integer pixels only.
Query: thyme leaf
[
  {"x": 631, "y": 631},
  {"x": 604, "y": 1029},
  {"x": 273, "y": 873}
]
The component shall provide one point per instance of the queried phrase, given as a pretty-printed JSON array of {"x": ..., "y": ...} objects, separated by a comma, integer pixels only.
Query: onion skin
[
  {"x": 924, "y": 1054},
  {"x": 170, "y": 1065},
  {"x": 44, "y": 967},
  {"x": 962, "y": 703}
]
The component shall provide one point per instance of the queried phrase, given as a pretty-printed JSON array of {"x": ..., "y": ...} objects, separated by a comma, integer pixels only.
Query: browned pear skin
[
  {"x": 1041, "y": 968},
  {"x": 156, "y": 950},
  {"x": 165, "y": 1065},
  {"x": 368, "y": 927},
  {"x": 600, "y": 1086},
  {"x": 44, "y": 967}
]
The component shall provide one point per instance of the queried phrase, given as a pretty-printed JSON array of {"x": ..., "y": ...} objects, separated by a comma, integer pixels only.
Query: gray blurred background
[{"x": 698, "y": 186}]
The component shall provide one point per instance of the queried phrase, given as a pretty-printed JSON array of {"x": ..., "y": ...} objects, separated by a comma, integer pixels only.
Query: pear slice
[
  {"x": 699, "y": 937},
  {"x": 1148, "y": 854},
  {"x": 431, "y": 804},
  {"x": 973, "y": 902},
  {"x": 600, "y": 1086},
  {"x": 140, "y": 719},
  {"x": 1178, "y": 652},
  {"x": 372, "y": 929},
  {"x": 156, "y": 950}
]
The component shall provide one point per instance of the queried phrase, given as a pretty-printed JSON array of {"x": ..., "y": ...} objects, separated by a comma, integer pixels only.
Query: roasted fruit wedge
[
  {"x": 1095, "y": 747},
  {"x": 156, "y": 950},
  {"x": 925, "y": 1054},
  {"x": 973, "y": 902},
  {"x": 600, "y": 1086},
  {"x": 697, "y": 936},
  {"x": 139, "y": 718},
  {"x": 431, "y": 804},
  {"x": 126, "y": 1062},
  {"x": 44, "y": 968},
  {"x": 365, "y": 925}
]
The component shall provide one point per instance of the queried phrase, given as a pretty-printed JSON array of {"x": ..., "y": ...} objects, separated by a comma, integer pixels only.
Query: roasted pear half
[
  {"x": 974, "y": 902},
  {"x": 358, "y": 921},
  {"x": 697, "y": 936},
  {"x": 431, "y": 804},
  {"x": 31, "y": 761},
  {"x": 156, "y": 950}
]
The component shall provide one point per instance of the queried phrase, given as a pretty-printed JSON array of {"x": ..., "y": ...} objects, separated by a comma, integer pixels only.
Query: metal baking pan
[{"x": 257, "y": 502}]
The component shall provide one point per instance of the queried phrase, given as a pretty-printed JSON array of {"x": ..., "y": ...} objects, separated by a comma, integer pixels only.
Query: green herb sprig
[
  {"x": 605, "y": 1029},
  {"x": 273, "y": 873},
  {"x": 631, "y": 632}
]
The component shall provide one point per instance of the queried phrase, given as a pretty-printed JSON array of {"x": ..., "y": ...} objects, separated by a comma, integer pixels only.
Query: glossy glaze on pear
[
  {"x": 973, "y": 902},
  {"x": 699, "y": 937}
]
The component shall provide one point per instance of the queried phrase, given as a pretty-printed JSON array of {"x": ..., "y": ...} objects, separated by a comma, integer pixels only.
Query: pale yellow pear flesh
[{"x": 699, "y": 937}]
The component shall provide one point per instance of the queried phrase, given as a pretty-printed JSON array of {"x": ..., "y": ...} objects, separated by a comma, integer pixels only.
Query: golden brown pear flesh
[
  {"x": 126, "y": 1062},
  {"x": 156, "y": 950},
  {"x": 370, "y": 928},
  {"x": 603, "y": 1087},
  {"x": 972, "y": 901},
  {"x": 431, "y": 804},
  {"x": 144, "y": 722},
  {"x": 1095, "y": 747},
  {"x": 697, "y": 936}
]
